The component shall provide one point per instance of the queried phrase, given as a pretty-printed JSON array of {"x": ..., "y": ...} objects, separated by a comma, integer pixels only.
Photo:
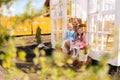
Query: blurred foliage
[
  {"x": 30, "y": 13},
  {"x": 4, "y": 36},
  {"x": 6, "y": 2},
  {"x": 27, "y": 14},
  {"x": 21, "y": 56},
  {"x": 45, "y": 10},
  {"x": 58, "y": 68}
]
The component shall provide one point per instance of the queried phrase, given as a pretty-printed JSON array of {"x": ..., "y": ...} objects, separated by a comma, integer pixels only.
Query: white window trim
[{"x": 102, "y": 32}]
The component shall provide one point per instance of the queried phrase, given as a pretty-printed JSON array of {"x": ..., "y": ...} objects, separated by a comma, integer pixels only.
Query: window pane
[
  {"x": 92, "y": 6},
  {"x": 99, "y": 41},
  {"x": 93, "y": 41},
  {"x": 108, "y": 5},
  {"x": 57, "y": 35},
  {"x": 99, "y": 23},
  {"x": 109, "y": 24},
  {"x": 69, "y": 7},
  {"x": 58, "y": 24},
  {"x": 93, "y": 23},
  {"x": 108, "y": 42}
]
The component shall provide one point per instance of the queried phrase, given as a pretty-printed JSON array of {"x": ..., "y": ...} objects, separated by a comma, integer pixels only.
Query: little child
[
  {"x": 68, "y": 37},
  {"x": 70, "y": 33},
  {"x": 80, "y": 42}
]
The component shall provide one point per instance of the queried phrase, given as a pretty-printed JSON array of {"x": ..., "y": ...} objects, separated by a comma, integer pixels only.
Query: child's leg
[
  {"x": 64, "y": 48},
  {"x": 75, "y": 52},
  {"x": 67, "y": 46}
]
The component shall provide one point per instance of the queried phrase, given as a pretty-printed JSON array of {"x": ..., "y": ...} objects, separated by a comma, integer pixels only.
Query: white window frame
[
  {"x": 102, "y": 13},
  {"x": 116, "y": 51}
]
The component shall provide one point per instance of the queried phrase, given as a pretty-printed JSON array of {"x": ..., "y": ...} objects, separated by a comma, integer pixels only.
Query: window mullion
[
  {"x": 97, "y": 35},
  {"x": 102, "y": 34}
]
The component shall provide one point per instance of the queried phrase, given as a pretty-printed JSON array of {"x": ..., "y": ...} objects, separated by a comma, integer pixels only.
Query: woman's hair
[{"x": 79, "y": 21}]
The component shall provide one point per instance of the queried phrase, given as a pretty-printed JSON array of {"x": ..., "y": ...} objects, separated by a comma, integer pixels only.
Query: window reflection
[
  {"x": 99, "y": 41},
  {"x": 109, "y": 24},
  {"x": 93, "y": 41},
  {"x": 108, "y": 5},
  {"x": 58, "y": 24},
  {"x": 108, "y": 42},
  {"x": 93, "y": 8}
]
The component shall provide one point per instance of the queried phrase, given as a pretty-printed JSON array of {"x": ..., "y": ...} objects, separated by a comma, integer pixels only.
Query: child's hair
[
  {"x": 70, "y": 20},
  {"x": 70, "y": 25},
  {"x": 79, "y": 26}
]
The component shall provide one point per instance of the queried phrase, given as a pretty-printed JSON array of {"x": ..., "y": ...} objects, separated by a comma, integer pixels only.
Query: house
[{"x": 103, "y": 26}]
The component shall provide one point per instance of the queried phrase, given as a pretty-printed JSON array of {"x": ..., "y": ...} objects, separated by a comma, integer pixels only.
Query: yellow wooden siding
[{"x": 26, "y": 28}]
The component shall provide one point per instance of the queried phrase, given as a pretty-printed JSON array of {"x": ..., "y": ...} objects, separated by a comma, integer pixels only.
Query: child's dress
[
  {"x": 77, "y": 46},
  {"x": 70, "y": 35},
  {"x": 79, "y": 43}
]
